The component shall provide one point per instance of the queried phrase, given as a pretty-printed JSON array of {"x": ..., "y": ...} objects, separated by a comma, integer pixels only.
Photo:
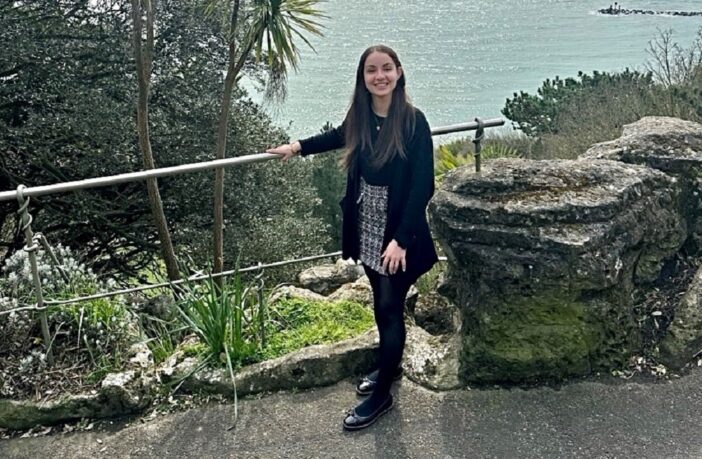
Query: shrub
[
  {"x": 538, "y": 114},
  {"x": 566, "y": 117},
  {"x": 89, "y": 337},
  {"x": 461, "y": 152},
  {"x": 224, "y": 319}
]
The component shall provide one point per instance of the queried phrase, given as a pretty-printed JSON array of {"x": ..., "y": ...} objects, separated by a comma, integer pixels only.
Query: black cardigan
[{"x": 411, "y": 187}]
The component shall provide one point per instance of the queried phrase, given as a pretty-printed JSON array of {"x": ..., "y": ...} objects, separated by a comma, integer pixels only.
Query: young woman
[{"x": 390, "y": 165}]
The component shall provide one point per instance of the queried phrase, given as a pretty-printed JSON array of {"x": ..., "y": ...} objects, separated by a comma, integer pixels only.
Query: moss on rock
[{"x": 550, "y": 336}]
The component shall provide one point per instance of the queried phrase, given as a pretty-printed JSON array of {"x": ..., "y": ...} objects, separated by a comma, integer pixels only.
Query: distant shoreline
[{"x": 621, "y": 11}]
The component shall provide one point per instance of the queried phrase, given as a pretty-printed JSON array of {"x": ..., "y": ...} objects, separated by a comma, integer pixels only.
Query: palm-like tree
[{"x": 269, "y": 29}]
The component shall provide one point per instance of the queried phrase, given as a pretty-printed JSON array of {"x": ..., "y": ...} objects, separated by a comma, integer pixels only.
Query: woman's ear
[{"x": 399, "y": 71}]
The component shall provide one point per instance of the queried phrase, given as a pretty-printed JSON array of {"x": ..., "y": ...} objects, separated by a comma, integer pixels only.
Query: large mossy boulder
[{"x": 543, "y": 257}]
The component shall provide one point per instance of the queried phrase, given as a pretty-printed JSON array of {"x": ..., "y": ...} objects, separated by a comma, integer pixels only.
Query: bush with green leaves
[
  {"x": 460, "y": 152},
  {"x": 538, "y": 114},
  {"x": 89, "y": 337},
  {"x": 567, "y": 116}
]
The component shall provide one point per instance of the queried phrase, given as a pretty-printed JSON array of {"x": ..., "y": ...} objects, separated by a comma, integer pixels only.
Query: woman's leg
[{"x": 389, "y": 294}]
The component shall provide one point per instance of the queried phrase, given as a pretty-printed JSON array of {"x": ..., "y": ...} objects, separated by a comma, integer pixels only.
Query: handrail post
[
  {"x": 31, "y": 247},
  {"x": 479, "y": 134},
  {"x": 261, "y": 305}
]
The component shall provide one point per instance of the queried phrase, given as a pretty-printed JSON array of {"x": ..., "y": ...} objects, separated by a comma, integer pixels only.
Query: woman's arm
[
  {"x": 332, "y": 139},
  {"x": 328, "y": 140},
  {"x": 287, "y": 150}
]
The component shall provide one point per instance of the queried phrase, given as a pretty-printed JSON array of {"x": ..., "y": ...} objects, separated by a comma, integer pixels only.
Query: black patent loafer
[
  {"x": 355, "y": 422},
  {"x": 367, "y": 383}
]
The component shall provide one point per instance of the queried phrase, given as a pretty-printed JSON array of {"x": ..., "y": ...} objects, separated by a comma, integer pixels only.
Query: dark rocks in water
[{"x": 618, "y": 11}]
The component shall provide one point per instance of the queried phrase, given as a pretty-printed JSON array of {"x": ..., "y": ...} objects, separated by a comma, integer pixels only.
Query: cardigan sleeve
[
  {"x": 421, "y": 164},
  {"x": 332, "y": 139}
]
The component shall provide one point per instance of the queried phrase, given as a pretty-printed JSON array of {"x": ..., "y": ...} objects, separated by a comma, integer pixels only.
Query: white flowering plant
[{"x": 87, "y": 337}]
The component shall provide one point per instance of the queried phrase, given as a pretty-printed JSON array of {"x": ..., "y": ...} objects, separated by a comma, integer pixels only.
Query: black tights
[{"x": 389, "y": 294}]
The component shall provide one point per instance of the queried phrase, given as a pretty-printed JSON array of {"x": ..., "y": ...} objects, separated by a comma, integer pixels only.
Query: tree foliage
[
  {"x": 67, "y": 112},
  {"x": 537, "y": 114},
  {"x": 566, "y": 116},
  {"x": 279, "y": 23},
  {"x": 329, "y": 179}
]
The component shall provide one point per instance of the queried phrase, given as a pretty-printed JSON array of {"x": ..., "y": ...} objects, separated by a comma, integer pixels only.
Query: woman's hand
[
  {"x": 394, "y": 258},
  {"x": 287, "y": 150}
]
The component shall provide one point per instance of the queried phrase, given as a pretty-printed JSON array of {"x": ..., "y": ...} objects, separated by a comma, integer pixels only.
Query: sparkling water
[{"x": 463, "y": 58}]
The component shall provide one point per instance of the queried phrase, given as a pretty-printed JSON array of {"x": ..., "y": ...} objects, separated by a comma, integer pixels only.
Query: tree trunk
[
  {"x": 232, "y": 70},
  {"x": 143, "y": 66},
  {"x": 218, "y": 235}
]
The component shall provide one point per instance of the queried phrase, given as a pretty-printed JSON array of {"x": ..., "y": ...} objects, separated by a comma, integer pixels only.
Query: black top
[
  {"x": 370, "y": 174},
  {"x": 411, "y": 186}
]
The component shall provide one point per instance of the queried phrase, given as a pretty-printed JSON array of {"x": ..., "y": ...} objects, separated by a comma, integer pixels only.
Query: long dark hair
[{"x": 398, "y": 123}]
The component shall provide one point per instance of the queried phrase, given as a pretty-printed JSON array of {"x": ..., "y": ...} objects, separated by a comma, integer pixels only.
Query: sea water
[{"x": 463, "y": 58}]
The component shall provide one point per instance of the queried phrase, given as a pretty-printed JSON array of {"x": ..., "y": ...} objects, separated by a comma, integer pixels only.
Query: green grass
[
  {"x": 302, "y": 323},
  {"x": 237, "y": 327}
]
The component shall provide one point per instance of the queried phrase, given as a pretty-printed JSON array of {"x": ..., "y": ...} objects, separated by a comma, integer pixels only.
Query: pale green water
[{"x": 464, "y": 58}]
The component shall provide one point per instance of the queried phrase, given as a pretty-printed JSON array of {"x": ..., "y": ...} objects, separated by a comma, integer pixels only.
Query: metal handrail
[
  {"x": 195, "y": 278},
  {"x": 23, "y": 193},
  {"x": 197, "y": 167}
]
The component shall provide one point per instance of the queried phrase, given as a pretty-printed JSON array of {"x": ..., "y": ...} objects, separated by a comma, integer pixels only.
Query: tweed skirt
[{"x": 372, "y": 219}]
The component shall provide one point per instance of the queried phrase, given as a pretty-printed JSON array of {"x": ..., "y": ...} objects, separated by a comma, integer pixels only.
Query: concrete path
[{"x": 588, "y": 419}]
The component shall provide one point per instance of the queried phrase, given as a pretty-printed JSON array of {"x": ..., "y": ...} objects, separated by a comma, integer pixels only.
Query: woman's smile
[{"x": 380, "y": 74}]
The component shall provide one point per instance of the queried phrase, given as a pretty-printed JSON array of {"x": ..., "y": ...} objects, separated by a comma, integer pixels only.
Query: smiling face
[{"x": 380, "y": 74}]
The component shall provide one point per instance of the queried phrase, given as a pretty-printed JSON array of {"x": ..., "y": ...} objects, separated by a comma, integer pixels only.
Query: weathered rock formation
[
  {"x": 543, "y": 256},
  {"x": 670, "y": 145},
  {"x": 358, "y": 291},
  {"x": 290, "y": 291},
  {"x": 324, "y": 279},
  {"x": 683, "y": 340},
  {"x": 312, "y": 366},
  {"x": 673, "y": 146},
  {"x": 432, "y": 361}
]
